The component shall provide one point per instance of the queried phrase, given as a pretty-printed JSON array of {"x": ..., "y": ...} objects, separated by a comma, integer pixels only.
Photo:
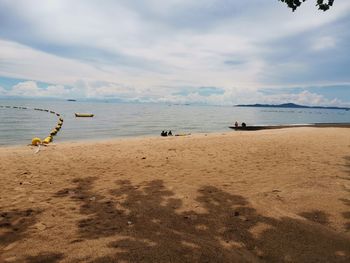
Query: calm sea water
[{"x": 114, "y": 120}]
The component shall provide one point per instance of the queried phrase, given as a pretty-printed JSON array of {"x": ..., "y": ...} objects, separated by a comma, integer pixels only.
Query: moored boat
[{"x": 84, "y": 115}]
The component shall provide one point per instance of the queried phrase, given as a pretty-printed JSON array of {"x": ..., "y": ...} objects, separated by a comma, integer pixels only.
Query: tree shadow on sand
[
  {"x": 45, "y": 257},
  {"x": 149, "y": 226},
  {"x": 14, "y": 224},
  {"x": 316, "y": 216},
  {"x": 347, "y": 166},
  {"x": 346, "y": 215}
]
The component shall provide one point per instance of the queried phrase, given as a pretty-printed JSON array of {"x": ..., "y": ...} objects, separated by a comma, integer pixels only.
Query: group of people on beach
[
  {"x": 169, "y": 133},
  {"x": 165, "y": 133},
  {"x": 243, "y": 124}
]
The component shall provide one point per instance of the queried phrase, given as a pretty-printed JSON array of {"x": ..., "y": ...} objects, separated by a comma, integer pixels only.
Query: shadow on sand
[
  {"x": 45, "y": 258},
  {"x": 14, "y": 225},
  {"x": 347, "y": 201},
  {"x": 316, "y": 216},
  {"x": 149, "y": 226}
]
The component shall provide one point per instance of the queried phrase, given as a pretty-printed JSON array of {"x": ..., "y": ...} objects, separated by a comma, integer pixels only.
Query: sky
[{"x": 219, "y": 52}]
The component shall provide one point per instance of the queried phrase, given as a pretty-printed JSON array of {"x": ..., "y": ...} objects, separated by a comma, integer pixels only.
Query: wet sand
[{"x": 266, "y": 196}]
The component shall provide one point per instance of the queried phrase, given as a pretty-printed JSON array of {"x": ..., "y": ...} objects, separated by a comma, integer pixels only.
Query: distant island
[
  {"x": 71, "y": 100},
  {"x": 291, "y": 105}
]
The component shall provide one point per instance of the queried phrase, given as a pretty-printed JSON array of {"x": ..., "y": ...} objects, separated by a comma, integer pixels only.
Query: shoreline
[{"x": 230, "y": 130}]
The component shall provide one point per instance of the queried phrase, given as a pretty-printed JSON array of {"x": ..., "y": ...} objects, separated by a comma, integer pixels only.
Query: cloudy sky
[{"x": 210, "y": 51}]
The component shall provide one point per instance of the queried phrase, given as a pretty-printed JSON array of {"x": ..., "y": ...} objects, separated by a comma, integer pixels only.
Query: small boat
[
  {"x": 84, "y": 115},
  {"x": 250, "y": 128}
]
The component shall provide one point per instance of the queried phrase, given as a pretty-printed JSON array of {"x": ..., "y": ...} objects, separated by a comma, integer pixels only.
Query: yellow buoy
[
  {"x": 47, "y": 140},
  {"x": 36, "y": 141}
]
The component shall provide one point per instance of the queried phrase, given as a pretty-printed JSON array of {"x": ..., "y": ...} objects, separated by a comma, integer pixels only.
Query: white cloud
[
  {"x": 303, "y": 98},
  {"x": 23, "y": 62},
  {"x": 323, "y": 43},
  {"x": 31, "y": 89},
  {"x": 26, "y": 89},
  {"x": 136, "y": 49},
  {"x": 2, "y": 91},
  {"x": 237, "y": 96},
  {"x": 228, "y": 96}
]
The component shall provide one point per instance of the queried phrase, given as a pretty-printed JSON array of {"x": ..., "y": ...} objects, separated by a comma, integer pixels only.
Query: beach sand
[{"x": 265, "y": 196}]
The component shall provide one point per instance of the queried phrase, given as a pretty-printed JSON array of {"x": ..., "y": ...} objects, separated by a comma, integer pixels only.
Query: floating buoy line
[{"x": 36, "y": 141}]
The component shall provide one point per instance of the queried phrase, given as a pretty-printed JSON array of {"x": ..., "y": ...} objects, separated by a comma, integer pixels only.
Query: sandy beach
[{"x": 265, "y": 196}]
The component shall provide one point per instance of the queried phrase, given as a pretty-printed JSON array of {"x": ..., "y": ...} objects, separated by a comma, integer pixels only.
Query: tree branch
[{"x": 323, "y": 5}]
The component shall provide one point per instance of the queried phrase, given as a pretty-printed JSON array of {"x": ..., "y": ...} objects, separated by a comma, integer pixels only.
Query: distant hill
[{"x": 291, "y": 105}]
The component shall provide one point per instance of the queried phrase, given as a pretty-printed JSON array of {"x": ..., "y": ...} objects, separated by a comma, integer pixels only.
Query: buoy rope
[
  {"x": 37, "y": 141},
  {"x": 38, "y": 149}
]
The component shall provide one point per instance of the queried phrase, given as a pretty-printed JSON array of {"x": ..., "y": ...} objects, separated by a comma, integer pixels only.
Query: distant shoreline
[{"x": 291, "y": 106}]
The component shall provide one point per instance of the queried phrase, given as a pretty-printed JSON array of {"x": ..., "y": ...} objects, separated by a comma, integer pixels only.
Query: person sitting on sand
[
  {"x": 170, "y": 133},
  {"x": 244, "y": 125},
  {"x": 163, "y": 133}
]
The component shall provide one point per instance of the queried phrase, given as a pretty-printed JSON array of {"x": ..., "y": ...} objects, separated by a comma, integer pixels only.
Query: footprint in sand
[
  {"x": 18, "y": 196},
  {"x": 39, "y": 191},
  {"x": 11, "y": 259},
  {"x": 40, "y": 226},
  {"x": 10, "y": 246}
]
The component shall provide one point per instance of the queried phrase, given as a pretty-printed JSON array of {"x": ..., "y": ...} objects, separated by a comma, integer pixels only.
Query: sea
[{"x": 120, "y": 120}]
